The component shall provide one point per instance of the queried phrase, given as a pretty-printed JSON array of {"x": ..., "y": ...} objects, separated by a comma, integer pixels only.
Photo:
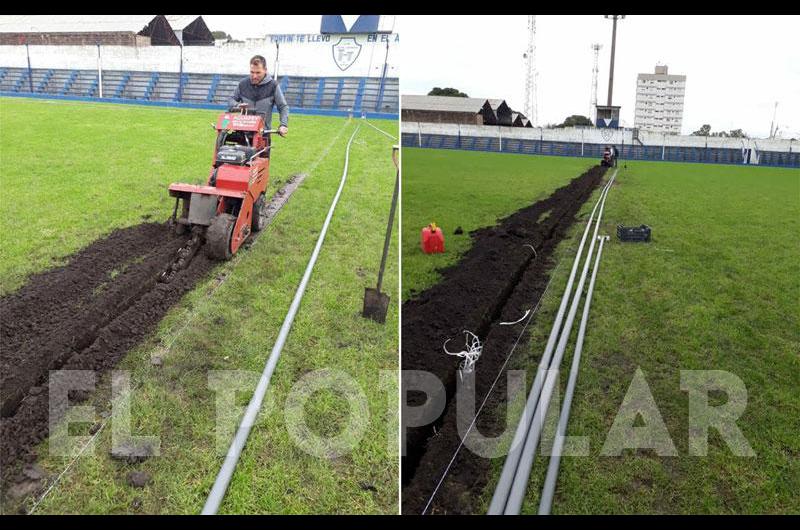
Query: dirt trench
[
  {"x": 497, "y": 280},
  {"x": 86, "y": 315}
]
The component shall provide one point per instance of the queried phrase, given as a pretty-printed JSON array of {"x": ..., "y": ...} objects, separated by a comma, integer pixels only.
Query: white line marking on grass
[{"x": 381, "y": 131}]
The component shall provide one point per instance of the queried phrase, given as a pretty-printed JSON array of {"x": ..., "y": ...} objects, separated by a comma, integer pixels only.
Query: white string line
[
  {"x": 489, "y": 392},
  {"x": 535, "y": 254},
  {"x": 516, "y": 321},
  {"x": 381, "y": 131},
  {"x": 328, "y": 148},
  {"x": 180, "y": 331},
  {"x": 58, "y": 478}
]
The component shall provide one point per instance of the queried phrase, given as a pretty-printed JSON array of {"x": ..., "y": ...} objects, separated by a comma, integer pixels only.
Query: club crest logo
[{"x": 345, "y": 52}]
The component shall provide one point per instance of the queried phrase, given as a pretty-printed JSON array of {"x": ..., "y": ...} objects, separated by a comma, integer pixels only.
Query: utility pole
[
  {"x": 531, "y": 108},
  {"x": 614, "y": 18}
]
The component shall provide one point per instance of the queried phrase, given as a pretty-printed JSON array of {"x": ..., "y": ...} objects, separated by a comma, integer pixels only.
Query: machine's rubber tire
[
  {"x": 259, "y": 214},
  {"x": 218, "y": 237}
]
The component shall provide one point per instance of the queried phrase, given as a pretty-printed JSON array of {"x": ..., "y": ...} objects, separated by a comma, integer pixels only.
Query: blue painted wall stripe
[
  {"x": 153, "y": 103},
  {"x": 717, "y": 155}
]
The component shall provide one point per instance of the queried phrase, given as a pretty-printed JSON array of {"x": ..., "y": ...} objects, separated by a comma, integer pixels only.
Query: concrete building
[
  {"x": 659, "y": 101},
  {"x": 466, "y": 111},
  {"x": 445, "y": 109},
  {"x": 106, "y": 30}
]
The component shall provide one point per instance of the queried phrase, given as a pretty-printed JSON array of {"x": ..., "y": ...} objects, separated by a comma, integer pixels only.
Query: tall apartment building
[{"x": 659, "y": 101}]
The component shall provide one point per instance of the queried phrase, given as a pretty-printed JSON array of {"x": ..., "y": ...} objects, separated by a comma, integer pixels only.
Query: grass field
[
  {"x": 107, "y": 166},
  {"x": 716, "y": 289},
  {"x": 465, "y": 188}
]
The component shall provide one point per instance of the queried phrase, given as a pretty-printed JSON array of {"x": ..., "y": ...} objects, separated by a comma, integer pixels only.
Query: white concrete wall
[
  {"x": 597, "y": 136},
  {"x": 300, "y": 55}
]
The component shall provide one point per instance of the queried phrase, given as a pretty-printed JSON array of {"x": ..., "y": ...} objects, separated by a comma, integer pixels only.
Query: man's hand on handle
[{"x": 283, "y": 130}]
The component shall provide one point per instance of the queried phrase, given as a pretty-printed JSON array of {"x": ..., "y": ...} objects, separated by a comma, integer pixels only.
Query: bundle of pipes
[{"x": 510, "y": 491}]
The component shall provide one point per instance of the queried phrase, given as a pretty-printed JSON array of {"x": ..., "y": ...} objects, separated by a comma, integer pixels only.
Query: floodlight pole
[
  {"x": 180, "y": 74},
  {"x": 30, "y": 72},
  {"x": 99, "y": 70},
  {"x": 383, "y": 78},
  {"x": 613, "y": 50},
  {"x": 277, "y": 56}
]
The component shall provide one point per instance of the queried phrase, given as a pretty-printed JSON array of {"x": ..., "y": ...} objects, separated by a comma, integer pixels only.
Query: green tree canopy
[
  {"x": 452, "y": 92},
  {"x": 576, "y": 120},
  {"x": 705, "y": 130}
]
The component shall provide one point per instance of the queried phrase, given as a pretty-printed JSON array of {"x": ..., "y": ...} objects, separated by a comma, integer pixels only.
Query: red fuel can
[{"x": 432, "y": 239}]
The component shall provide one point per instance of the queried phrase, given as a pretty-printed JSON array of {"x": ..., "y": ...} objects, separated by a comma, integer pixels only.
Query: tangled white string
[
  {"x": 523, "y": 317},
  {"x": 470, "y": 355}
]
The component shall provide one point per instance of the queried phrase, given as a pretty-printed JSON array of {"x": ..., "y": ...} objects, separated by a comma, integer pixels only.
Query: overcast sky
[
  {"x": 737, "y": 67},
  {"x": 254, "y": 26}
]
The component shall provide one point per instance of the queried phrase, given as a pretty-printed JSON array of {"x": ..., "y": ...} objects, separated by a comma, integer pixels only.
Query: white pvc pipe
[
  {"x": 234, "y": 452},
  {"x": 503, "y": 487},
  {"x": 546, "y": 500},
  {"x": 517, "y": 493}
]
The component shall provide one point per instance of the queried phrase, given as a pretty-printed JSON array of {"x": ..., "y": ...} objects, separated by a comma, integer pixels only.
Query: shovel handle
[{"x": 389, "y": 229}]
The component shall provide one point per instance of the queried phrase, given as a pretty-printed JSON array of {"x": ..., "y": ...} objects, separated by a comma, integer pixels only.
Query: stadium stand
[{"x": 375, "y": 97}]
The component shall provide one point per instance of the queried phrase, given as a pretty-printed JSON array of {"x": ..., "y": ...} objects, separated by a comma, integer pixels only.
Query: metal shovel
[{"x": 376, "y": 303}]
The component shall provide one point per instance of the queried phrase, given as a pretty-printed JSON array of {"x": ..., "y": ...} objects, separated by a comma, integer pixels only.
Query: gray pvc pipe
[
  {"x": 519, "y": 485},
  {"x": 500, "y": 496},
  {"x": 546, "y": 500},
  {"x": 248, "y": 420}
]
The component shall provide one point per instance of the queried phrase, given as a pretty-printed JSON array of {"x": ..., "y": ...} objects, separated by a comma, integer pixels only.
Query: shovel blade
[{"x": 376, "y": 305}]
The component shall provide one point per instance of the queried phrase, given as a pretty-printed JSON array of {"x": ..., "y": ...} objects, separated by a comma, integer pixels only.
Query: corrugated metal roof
[
  {"x": 73, "y": 23},
  {"x": 442, "y": 103}
]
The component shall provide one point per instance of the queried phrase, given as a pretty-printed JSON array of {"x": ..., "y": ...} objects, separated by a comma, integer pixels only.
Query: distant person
[{"x": 260, "y": 92}]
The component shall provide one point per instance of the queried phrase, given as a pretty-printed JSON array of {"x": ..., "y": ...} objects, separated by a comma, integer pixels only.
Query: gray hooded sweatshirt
[{"x": 261, "y": 98}]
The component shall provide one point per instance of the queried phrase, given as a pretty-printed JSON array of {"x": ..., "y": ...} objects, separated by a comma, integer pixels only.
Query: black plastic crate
[{"x": 633, "y": 233}]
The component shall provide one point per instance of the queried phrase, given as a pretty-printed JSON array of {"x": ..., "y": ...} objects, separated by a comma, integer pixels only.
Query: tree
[
  {"x": 576, "y": 120},
  {"x": 220, "y": 35},
  {"x": 451, "y": 92},
  {"x": 705, "y": 130}
]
